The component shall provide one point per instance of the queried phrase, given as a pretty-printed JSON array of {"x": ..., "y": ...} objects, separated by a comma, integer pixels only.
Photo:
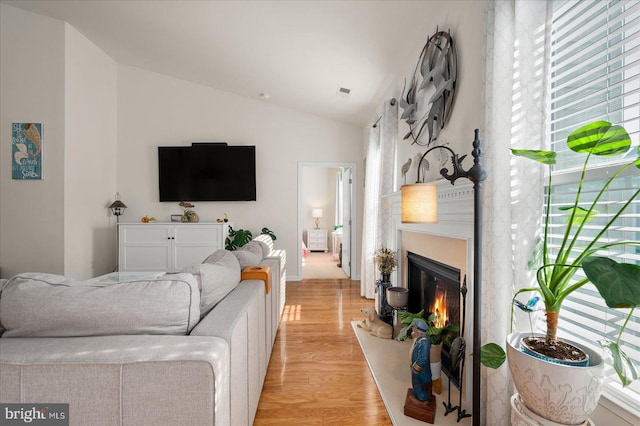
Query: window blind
[{"x": 595, "y": 75}]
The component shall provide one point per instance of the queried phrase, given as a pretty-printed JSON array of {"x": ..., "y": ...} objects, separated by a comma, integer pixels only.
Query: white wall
[
  {"x": 32, "y": 86},
  {"x": 155, "y": 110},
  {"x": 90, "y": 157},
  {"x": 465, "y": 19}
]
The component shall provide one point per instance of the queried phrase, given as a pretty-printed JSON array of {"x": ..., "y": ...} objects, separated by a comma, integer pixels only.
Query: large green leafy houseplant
[
  {"x": 618, "y": 284},
  {"x": 240, "y": 237},
  {"x": 437, "y": 334}
]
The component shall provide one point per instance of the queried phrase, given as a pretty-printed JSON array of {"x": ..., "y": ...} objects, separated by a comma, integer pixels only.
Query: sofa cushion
[
  {"x": 216, "y": 276},
  {"x": 3, "y": 281},
  {"x": 38, "y": 307},
  {"x": 266, "y": 243},
  {"x": 253, "y": 247},
  {"x": 39, "y": 275},
  {"x": 246, "y": 258}
]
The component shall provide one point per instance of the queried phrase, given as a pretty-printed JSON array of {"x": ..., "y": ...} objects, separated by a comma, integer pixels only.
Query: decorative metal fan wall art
[{"x": 429, "y": 99}]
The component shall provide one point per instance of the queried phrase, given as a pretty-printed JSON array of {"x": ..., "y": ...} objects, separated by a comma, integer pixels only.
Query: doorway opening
[{"x": 326, "y": 225}]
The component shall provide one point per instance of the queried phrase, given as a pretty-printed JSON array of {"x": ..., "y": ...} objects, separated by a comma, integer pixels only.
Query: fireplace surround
[{"x": 435, "y": 288}]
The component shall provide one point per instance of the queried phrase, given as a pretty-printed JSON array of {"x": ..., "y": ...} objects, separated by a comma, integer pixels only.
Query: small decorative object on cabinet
[
  {"x": 189, "y": 214},
  {"x": 317, "y": 240}
]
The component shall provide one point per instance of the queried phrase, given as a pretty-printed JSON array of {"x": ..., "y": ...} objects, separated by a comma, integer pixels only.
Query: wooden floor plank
[{"x": 317, "y": 374}]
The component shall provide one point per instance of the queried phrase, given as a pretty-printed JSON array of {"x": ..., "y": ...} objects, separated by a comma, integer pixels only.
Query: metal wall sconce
[
  {"x": 419, "y": 205},
  {"x": 117, "y": 207}
]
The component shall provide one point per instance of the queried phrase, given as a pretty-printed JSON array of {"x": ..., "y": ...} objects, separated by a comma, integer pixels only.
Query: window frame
[{"x": 572, "y": 115}]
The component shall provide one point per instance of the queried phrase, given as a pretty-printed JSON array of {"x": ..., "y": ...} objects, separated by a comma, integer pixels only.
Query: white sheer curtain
[
  {"x": 370, "y": 230},
  {"x": 389, "y": 138},
  {"x": 379, "y": 176},
  {"x": 515, "y": 103}
]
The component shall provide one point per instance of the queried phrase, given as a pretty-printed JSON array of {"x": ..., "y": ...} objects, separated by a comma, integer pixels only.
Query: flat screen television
[{"x": 207, "y": 172}]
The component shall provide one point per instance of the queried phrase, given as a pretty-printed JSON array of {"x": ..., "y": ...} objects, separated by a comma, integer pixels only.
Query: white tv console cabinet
[{"x": 167, "y": 246}]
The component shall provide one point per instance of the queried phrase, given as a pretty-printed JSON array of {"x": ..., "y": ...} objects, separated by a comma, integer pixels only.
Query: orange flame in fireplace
[{"x": 439, "y": 308}]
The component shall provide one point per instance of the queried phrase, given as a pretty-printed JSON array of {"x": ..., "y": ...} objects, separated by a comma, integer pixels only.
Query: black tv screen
[{"x": 207, "y": 172}]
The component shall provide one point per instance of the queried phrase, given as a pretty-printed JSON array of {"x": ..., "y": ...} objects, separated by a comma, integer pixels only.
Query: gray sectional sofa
[{"x": 166, "y": 349}]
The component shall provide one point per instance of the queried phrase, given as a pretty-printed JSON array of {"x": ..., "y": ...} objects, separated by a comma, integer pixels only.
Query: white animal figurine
[{"x": 374, "y": 325}]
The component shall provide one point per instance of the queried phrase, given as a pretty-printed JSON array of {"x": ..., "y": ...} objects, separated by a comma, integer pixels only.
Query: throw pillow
[
  {"x": 37, "y": 275},
  {"x": 253, "y": 247},
  {"x": 3, "y": 281},
  {"x": 246, "y": 258},
  {"x": 266, "y": 243},
  {"x": 217, "y": 276}
]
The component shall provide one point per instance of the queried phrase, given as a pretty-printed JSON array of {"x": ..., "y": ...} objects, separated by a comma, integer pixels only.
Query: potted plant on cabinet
[{"x": 618, "y": 284}]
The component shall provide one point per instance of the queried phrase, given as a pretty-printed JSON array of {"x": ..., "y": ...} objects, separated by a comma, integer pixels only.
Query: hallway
[
  {"x": 321, "y": 265},
  {"x": 317, "y": 374}
]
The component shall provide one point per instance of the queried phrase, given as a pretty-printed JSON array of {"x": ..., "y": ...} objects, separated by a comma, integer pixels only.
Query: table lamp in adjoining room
[{"x": 317, "y": 214}]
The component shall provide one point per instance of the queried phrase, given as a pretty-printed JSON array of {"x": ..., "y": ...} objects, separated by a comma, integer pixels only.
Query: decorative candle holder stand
[{"x": 384, "y": 309}]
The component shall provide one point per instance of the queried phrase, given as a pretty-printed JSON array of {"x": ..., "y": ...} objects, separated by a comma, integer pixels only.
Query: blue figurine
[{"x": 420, "y": 363}]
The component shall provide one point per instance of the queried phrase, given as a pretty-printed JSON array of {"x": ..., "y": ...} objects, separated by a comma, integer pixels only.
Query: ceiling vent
[{"x": 343, "y": 92}]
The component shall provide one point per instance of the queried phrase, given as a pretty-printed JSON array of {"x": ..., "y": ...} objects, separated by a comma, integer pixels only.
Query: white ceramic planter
[
  {"x": 561, "y": 393},
  {"x": 397, "y": 297},
  {"x": 522, "y": 416}
]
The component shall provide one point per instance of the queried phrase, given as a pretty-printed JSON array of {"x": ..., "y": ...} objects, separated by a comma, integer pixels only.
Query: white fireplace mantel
[{"x": 455, "y": 211}]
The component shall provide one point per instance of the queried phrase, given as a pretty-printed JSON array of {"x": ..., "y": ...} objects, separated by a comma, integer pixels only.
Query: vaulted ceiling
[{"x": 298, "y": 53}]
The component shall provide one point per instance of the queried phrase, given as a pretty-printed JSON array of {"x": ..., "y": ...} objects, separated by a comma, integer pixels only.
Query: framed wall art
[{"x": 26, "y": 158}]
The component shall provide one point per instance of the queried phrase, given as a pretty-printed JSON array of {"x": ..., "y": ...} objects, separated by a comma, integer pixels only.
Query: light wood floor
[{"x": 317, "y": 374}]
